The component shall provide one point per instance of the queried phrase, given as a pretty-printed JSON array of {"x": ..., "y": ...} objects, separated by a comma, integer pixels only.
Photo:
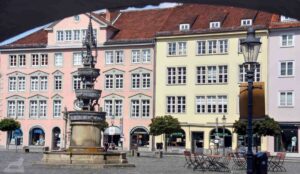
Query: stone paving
[{"x": 12, "y": 162}]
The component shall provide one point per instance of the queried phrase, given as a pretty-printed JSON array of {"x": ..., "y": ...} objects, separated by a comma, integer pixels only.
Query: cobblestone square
[{"x": 12, "y": 162}]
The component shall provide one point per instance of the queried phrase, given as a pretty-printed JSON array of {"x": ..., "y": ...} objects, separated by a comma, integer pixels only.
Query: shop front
[
  {"x": 287, "y": 141},
  {"x": 139, "y": 139}
]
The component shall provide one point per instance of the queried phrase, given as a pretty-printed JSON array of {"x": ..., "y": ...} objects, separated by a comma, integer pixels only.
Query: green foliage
[
  {"x": 164, "y": 125},
  {"x": 265, "y": 127},
  {"x": 103, "y": 125},
  {"x": 9, "y": 124}
]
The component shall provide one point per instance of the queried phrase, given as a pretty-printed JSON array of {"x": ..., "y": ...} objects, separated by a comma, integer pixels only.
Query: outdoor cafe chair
[
  {"x": 188, "y": 159},
  {"x": 276, "y": 163},
  {"x": 239, "y": 161},
  {"x": 199, "y": 161}
]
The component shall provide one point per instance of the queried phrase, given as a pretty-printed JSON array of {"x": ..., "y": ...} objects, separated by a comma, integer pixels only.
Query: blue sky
[{"x": 162, "y": 5}]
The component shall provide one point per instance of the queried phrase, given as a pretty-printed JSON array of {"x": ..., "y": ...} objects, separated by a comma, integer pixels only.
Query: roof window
[
  {"x": 184, "y": 27},
  {"x": 213, "y": 25},
  {"x": 246, "y": 22}
]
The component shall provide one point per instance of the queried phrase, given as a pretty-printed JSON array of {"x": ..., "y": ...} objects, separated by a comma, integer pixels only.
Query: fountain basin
[
  {"x": 89, "y": 72},
  {"x": 88, "y": 94}
]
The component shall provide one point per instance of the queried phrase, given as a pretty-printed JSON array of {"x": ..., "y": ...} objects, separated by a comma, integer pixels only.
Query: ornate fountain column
[{"x": 85, "y": 123}]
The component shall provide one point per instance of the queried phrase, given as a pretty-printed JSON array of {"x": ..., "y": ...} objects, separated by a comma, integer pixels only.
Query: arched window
[
  {"x": 16, "y": 134},
  {"x": 176, "y": 139},
  {"x": 217, "y": 135},
  {"x": 56, "y": 138},
  {"x": 37, "y": 137}
]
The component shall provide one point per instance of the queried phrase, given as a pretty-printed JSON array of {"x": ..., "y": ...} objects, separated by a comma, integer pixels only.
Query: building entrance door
[{"x": 197, "y": 142}]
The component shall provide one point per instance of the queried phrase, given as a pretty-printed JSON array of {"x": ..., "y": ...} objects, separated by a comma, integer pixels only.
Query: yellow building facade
[{"x": 197, "y": 82}]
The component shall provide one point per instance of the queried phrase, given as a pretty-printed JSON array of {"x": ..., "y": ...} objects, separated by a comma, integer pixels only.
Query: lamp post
[
  {"x": 224, "y": 122},
  {"x": 250, "y": 49}
]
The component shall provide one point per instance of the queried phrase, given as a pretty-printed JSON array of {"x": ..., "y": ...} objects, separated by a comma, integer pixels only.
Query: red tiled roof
[
  {"x": 230, "y": 17},
  {"x": 35, "y": 40},
  {"x": 140, "y": 24},
  {"x": 277, "y": 24}
]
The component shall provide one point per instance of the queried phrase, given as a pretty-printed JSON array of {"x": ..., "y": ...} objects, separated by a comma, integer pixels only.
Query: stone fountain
[{"x": 85, "y": 142}]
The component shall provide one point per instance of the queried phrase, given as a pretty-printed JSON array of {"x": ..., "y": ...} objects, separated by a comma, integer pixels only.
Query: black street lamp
[
  {"x": 224, "y": 122},
  {"x": 250, "y": 49}
]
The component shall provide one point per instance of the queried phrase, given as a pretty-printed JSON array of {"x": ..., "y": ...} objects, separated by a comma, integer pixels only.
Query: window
[
  {"x": 56, "y": 108},
  {"x": 145, "y": 108},
  {"x": 135, "y": 108},
  {"x": 243, "y": 77},
  {"x": 58, "y": 59},
  {"x": 77, "y": 59},
  {"x": 200, "y": 104},
  {"x": 33, "y": 112},
  {"x": 109, "y": 57},
  {"x": 246, "y": 22},
  {"x": 35, "y": 60},
  {"x": 11, "y": 109},
  {"x": 135, "y": 56},
  {"x": 146, "y": 80},
  {"x": 213, "y": 25},
  {"x": 113, "y": 107},
  {"x": 108, "y": 107},
  {"x": 34, "y": 83},
  {"x": 83, "y": 32},
  {"x": 119, "y": 81},
  {"x": 201, "y": 47},
  {"x": 44, "y": 59},
  {"x": 109, "y": 81},
  {"x": 76, "y": 82},
  {"x": 211, "y": 104},
  {"x": 135, "y": 81},
  {"x": 118, "y": 108},
  {"x": 42, "y": 108},
  {"x": 146, "y": 56},
  {"x": 119, "y": 57},
  {"x": 287, "y": 68},
  {"x": 287, "y": 40},
  {"x": 212, "y": 74},
  {"x": 21, "y": 108},
  {"x": 212, "y": 47},
  {"x": 16, "y": 108},
  {"x": 181, "y": 48},
  {"x": 287, "y": 19},
  {"x": 13, "y": 60},
  {"x": 184, "y": 27},
  {"x": 44, "y": 83},
  {"x": 12, "y": 81},
  {"x": 21, "y": 83},
  {"x": 176, "y": 104},
  {"x": 57, "y": 82},
  {"x": 76, "y": 34},
  {"x": 22, "y": 60},
  {"x": 172, "y": 49},
  {"x": 177, "y": 48},
  {"x": 76, "y": 18},
  {"x": 176, "y": 75},
  {"x": 59, "y": 35},
  {"x": 286, "y": 98},
  {"x": 68, "y": 35}
]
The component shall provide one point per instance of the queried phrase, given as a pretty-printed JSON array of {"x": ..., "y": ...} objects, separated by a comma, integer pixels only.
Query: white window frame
[
  {"x": 22, "y": 60},
  {"x": 109, "y": 57},
  {"x": 288, "y": 44},
  {"x": 76, "y": 82},
  {"x": 200, "y": 104},
  {"x": 285, "y": 104},
  {"x": 109, "y": 81},
  {"x": 135, "y": 56},
  {"x": 58, "y": 82},
  {"x": 135, "y": 80},
  {"x": 57, "y": 108},
  {"x": 184, "y": 27},
  {"x": 44, "y": 59},
  {"x": 215, "y": 25},
  {"x": 246, "y": 22},
  {"x": 59, "y": 35},
  {"x": 287, "y": 19},
  {"x": 34, "y": 83},
  {"x": 242, "y": 74},
  {"x": 286, "y": 62},
  {"x": 76, "y": 35},
  {"x": 68, "y": 35},
  {"x": 77, "y": 59},
  {"x": 176, "y": 104},
  {"x": 21, "y": 83},
  {"x": 135, "y": 108},
  {"x": 12, "y": 83},
  {"x": 58, "y": 59},
  {"x": 176, "y": 75},
  {"x": 35, "y": 60},
  {"x": 43, "y": 83}
]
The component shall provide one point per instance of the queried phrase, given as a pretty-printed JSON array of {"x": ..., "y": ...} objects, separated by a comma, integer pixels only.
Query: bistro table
[{"x": 214, "y": 163}]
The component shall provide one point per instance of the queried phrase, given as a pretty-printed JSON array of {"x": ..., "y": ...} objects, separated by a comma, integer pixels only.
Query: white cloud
[{"x": 161, "y": 5}]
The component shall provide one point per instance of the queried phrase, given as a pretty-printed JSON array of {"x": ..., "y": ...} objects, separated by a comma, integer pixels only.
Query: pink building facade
[{"x": 39, "y": 76}]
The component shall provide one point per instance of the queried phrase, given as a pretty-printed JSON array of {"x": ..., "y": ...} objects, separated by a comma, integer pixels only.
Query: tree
[
  {"x": 164, "y": 125},
  {"x": 265, "y": 127},
  {"x": 8, "y": 125},
  {"x": 103, "y": 125}
]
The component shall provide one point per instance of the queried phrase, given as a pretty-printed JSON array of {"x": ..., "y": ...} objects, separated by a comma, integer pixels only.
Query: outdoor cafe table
[{"x": 214, "y": 163}]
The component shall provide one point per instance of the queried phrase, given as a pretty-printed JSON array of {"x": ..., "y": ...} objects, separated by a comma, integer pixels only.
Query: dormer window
[
  {"x": 213, "y": 25},
  {"x": 246, "y": 22},
  {"x": 184, "y": 27},
  {"x": 76, "y": 18},
  {"x": 286, "y": 19}
]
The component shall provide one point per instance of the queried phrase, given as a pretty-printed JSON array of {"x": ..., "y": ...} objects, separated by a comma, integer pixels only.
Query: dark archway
[
  {"x": 37, "y": 136},
  {"x": 56, "y": 138},
  {"x": 176, "y": 139},
  {"x": 16, "y": 137},
  {"x": 12, "y": 23},
  {"x": 214, "y": 135},
  {"x": 139, "y": 138}
]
